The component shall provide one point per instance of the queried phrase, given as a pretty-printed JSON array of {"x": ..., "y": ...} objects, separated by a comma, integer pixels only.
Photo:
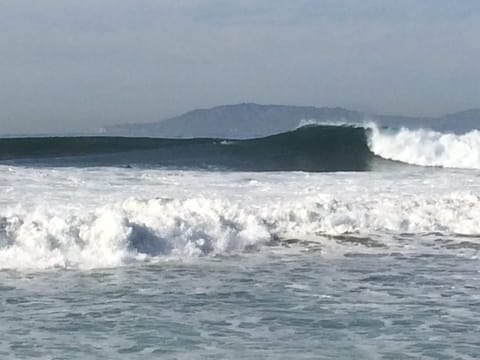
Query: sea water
[{"x": 138, "y": 263}]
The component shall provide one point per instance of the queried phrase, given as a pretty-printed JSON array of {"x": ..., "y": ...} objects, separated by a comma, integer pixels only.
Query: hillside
[{"x": 254, "y": 120}]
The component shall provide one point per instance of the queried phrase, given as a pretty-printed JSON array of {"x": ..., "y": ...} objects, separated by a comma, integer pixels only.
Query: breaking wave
[
  {"x": 427, "y": 148},
  {"x": 143, "y": 229},
  {"x": 309, "y": 148}
]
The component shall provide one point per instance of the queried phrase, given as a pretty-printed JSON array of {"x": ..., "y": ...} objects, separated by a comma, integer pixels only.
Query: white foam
[
  {"x": 418, "y": 147},
  {"x": 117, "y": 216},
  {"x": 427, "y": 148}
]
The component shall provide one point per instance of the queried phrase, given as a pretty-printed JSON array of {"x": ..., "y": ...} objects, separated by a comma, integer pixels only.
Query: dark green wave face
[{"x": 315, "y": 148}]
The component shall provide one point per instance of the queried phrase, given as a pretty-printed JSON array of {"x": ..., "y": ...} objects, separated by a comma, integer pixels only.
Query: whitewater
[
  {"x": 427, "y": 147},
  {"x": 104, "y": 254}
]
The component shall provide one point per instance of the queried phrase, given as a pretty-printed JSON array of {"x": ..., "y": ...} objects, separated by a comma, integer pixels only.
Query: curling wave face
[
  {"x": 322, "y": 148},
  {"x": 120, "y": 216},
  {"x": 310, "y": 148}
]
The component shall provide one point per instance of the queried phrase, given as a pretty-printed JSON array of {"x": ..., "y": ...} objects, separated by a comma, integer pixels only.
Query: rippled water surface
[{"x": 281, "y": 304}]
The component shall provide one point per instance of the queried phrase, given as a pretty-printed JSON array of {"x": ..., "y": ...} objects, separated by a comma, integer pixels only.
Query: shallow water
[{"x": 280, "y": 304}]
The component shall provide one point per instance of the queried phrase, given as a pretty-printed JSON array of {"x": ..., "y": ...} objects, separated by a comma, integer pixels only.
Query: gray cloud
[{"x": 75, "y": 66}]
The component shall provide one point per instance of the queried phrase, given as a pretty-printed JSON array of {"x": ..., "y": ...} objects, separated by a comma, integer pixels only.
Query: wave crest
[{"x": 313, "y": 147}]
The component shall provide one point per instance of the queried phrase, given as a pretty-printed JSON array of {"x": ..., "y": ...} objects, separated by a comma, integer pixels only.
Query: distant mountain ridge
[{"x": 249, "y": 120}]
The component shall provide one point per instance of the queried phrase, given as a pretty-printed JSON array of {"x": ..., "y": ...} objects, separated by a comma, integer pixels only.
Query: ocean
[{"x": 327, "y": 242}]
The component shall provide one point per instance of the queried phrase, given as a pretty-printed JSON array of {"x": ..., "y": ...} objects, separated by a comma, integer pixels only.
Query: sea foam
[
  {"x": 139, "y": 229},
  {"x": 427, "y": 148},
  {"x": 107, "y": 216}
]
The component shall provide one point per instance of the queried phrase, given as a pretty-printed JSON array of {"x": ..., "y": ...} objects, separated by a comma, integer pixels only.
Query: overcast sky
[{"x": 77, "y": 65}]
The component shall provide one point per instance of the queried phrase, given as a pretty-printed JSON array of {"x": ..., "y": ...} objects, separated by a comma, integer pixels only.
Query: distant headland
[{"x": 249, "y": 120}]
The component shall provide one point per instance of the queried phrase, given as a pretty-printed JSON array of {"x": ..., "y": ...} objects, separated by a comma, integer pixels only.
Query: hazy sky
[{"x": 77, "y": 65}]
